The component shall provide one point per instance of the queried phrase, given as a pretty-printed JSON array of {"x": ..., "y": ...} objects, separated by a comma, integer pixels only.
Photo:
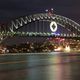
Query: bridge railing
[{"x": 36, "y": 34}]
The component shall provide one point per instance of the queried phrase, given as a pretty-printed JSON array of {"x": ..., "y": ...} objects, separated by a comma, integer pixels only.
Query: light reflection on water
[{"x": 43, "y": 67}]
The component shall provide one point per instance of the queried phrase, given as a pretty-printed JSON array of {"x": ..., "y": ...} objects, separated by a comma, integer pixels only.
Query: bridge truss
[{"x": 13, "y": 26}]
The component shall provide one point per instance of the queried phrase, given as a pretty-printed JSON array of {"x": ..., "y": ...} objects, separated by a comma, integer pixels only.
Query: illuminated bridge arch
[
  {"x": 18, "y": 23},
  {"x": 63, "y": 21}
]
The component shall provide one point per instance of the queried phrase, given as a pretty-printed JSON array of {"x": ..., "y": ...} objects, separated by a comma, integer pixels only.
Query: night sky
[{"x": 11, "y": 9}]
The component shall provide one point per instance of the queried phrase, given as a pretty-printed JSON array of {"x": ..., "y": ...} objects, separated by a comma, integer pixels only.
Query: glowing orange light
[{"x": 67, "y": 49}]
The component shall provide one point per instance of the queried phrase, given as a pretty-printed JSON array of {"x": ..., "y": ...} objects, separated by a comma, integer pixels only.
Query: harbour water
[{"x": 51, "y": 66}]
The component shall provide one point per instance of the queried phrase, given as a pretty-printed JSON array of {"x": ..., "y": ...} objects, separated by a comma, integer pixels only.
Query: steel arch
[{"x": 61, "y": 20}]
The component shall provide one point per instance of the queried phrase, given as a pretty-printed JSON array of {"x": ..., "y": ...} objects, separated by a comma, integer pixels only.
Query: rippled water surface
[{"x": 40, "y": 67}]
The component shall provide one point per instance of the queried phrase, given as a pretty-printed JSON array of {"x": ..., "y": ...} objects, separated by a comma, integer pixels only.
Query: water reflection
[{"x": 44, "y": 67}]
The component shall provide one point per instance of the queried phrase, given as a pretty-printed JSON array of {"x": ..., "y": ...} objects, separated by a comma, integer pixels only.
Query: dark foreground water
[{"x": 40, "y": 67}]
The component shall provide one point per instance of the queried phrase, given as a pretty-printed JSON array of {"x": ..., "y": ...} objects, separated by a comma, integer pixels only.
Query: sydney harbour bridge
[{"x": 41, "y": 24}]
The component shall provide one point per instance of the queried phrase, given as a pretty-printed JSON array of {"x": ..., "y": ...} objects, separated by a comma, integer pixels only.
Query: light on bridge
[
  {"x": 53, "y": 26},
  {"x": 56, "y": 34}
]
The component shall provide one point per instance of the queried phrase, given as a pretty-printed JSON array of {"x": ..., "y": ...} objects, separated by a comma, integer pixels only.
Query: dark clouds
[{"x": 14, "y": 8}]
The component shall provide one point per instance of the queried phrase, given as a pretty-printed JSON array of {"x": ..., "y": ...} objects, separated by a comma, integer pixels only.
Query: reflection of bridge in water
[{"x": 39, "y": 25}]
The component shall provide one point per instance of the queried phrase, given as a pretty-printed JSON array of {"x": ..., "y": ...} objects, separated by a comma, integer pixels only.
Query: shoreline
[{"x": 43, "y": 53}]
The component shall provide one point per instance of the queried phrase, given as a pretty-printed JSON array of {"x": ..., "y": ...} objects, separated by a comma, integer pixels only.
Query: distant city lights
[
  {"x": 67, "y": 49},
  {"x": 58, "y": 49}
]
